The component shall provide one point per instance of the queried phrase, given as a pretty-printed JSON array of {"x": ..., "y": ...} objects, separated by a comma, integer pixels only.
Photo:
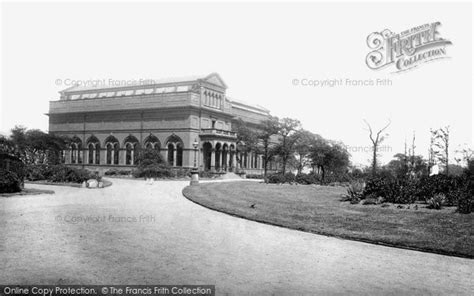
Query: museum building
[{"x": 189, "y": 120}]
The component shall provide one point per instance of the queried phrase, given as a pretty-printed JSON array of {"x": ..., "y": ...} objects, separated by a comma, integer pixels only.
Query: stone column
[
  {"x": 103, "y": 159},
  {"x": 213, "y": 159},
  {"x": 201, "y": 158},
  {"x": 221, "y": 160},
  {"x": 122, "y": 156},
  {"x": 67, "y": 156}
]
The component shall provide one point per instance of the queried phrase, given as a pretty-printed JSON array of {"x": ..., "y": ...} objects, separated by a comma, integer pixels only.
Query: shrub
[
  {"x": 429, "y": 186},
  {"x": 377, "y": 186},
  {"x": 9, "y": 182},
  {"x": 149, "y": 157},
  {"x": 37, "y": 172},
  {"x": 392, "y": 190},
  {"x": 369, "y": 201},
  {"x": 307, "y": 179},
  {"x": 181, "y": 173},
  {"x": 207, "y": 174},
  {"x": 62, "y": 173},
  {"x": 356, "y": 189},
  {"x": 408, "y": 191},
  {"x": 111, "y": 172},
  {"x": 466, "y": 204},
  {"x": 355, "y": 200},
  {"x": 280, "y": 178},
  {"x": 466, "y": 200},
  {"x": 58, "y": 173},
  {"x": 436, "y": 202},
  {"x": 9, "y": 162},
  {"x": 153, "y": 171},
  {"x": 254, "y": 176}
]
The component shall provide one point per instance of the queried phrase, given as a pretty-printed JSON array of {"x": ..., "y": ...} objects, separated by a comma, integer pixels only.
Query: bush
[
  {"x": 466, "y": 200},
  {"x": 153, "y": 171},
  {"x": 466, "y": 204},
  {"x": 436, "y": 202},
  {"x": 370, "y": 201},
  {"x": 254, "y": 176},
  {"x": 356, "y": 189},
  {"x": 354, "y": 200},
  {"x": 9, "y": 182},
  {"x": 307, "y": 179},
  {"x": 37, "y": 172},
  {"x": 62, "y": 173},
  {"x": 58, "y": 173},
  {"x": 207, "y": 174},
  {"x": 111, "y": 172},
  {"x": 280, "y": 178},
  {"x": 149, "y": 157},
  {"x": 392, "y": 190},
  {"x": 429, "y": 186}
]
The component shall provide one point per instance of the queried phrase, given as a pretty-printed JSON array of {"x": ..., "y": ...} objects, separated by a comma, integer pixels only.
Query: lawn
[{"x": 319, "y": 209}]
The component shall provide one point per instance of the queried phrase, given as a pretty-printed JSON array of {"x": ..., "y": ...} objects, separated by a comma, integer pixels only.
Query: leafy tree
[
  {"x": 285, "y": 149},
  {"x": 303, "y": 142},
  {"x": 269, "y": 128},
  {"x": 150, "y": 157},
  {"x": 37, "y": 147},
  {"x": 247, "y": 137},
  {"x": 403, "y": 166},
  {"x": 7, "y": 146},
  {"x": 329, "y": 156}
]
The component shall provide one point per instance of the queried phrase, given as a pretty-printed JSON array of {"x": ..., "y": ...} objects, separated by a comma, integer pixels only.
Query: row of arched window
[{"x": 131, "y": 147}]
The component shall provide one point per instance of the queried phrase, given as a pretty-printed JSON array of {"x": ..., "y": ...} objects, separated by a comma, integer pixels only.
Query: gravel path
[{"x": 136, "y": 233}]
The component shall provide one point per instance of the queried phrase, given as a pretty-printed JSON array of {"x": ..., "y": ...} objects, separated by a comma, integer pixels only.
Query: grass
[
  {"x": 27, "y": 191},
  {"x": 319, "y": 209}
]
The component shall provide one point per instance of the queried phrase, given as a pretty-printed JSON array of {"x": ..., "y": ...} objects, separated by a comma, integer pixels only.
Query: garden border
[{"x": 345, "y": 237}]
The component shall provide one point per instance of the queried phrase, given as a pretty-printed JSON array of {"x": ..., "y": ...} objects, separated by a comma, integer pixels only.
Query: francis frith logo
[{"x": 406, "y": 50}]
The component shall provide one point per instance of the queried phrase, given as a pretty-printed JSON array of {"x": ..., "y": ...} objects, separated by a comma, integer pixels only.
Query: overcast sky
[{"x": 260, "y": 50}]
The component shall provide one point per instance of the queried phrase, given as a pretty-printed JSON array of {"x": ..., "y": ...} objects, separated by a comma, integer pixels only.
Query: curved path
[{"x": 179, "y": 242}]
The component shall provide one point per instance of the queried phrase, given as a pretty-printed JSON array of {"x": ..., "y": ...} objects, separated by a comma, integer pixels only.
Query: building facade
[{"x": 108, "y": 125}]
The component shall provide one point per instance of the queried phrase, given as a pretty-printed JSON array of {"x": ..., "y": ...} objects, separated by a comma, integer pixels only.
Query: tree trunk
[
  {"x": 265, "y": 164},
  {"x": 323, "y": 174},
  {"x": 374, "y": 161}
]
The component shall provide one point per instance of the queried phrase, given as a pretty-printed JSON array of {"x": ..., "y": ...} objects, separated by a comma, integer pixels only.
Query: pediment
[{"x": 215, "y": 79}]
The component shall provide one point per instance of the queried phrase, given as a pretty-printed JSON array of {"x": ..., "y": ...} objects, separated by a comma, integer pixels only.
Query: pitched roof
[
  {"x": 98, "y": 84},
  {"x": 243, "y": 103}
]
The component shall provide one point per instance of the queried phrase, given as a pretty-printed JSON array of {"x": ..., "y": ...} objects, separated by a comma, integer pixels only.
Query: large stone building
[{"x": 108, "y": 125}]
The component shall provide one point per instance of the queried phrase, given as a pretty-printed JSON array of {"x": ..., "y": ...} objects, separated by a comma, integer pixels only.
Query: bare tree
[
  {"x": 442, "y": 143},
  {"x": 431, "y": 152},
  {"x": 376, "y": 138}
]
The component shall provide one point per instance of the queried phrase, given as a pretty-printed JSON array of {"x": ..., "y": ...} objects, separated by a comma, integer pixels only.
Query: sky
[{"x": 267, "y": 53}]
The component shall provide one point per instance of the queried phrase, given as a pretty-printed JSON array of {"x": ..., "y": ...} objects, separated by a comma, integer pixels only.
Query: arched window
[
  {"x": 93, "y": 149},
  {"x": 174, "y": 147},
  {"x": 112, "y": 150},
  {"x": 73, "y": 152},
  {"x": 152, "y": 142},
  {"x": 131, "y": 150},
  {"x": 109, "y": 152},
  {"x": 171, "y": 154},
  {"x": 91, "y": 153},
  {"x": 97, "y": 153},
  {"x": 76, "y": 150}
]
